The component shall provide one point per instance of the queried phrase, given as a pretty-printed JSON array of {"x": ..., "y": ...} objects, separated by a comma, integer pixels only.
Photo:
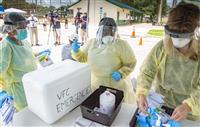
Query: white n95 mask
[
  {"x": 107, "y": 39},
  {"x": 180, "y": 42}
]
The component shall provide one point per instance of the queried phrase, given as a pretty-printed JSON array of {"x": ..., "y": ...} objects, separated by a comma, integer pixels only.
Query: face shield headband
[
  {"x": 176, "y": 34},
  {"x": 18, "y": 25}
]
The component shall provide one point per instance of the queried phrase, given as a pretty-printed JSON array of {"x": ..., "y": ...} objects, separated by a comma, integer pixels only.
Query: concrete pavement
[{"x": 124, "y": 31}]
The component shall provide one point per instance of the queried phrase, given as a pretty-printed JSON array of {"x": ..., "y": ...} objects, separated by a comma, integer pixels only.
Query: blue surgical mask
[{"x": 22, "y": 34}]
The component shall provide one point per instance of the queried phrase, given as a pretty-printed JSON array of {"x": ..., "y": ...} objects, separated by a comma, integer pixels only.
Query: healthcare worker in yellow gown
[
  {"x": 111, "y": 59},
  {"x": 174, "y": 65},
  {"x": 16, "y": 58}
]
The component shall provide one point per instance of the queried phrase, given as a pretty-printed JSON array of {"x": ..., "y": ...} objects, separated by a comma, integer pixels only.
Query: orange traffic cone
[
  {"x": 133, "y": 32},
  {"x": 140, "y": 42}
]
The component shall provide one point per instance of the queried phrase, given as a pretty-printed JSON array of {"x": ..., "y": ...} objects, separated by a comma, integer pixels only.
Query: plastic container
[
  {"x": 133, "y": 121},
  {"x": 53, "y": 91},
  {"x": 87, "y": 107}
]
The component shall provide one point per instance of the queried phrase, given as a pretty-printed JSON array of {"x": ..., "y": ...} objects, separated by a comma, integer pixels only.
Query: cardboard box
[
  {"x": 55, "y": 90},
  {"x": 133, "y": 121},
  {"x": 93, "y": 101}
]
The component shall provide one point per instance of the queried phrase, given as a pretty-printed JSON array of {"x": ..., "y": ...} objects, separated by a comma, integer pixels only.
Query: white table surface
[{"x": 26, "y": 118}]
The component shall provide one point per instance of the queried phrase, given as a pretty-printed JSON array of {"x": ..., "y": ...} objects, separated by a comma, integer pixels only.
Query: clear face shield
[
  {"x": 179, "y": 40},
  {"x": 10, "y": 27},
  {"x": 106, "y": 34}
]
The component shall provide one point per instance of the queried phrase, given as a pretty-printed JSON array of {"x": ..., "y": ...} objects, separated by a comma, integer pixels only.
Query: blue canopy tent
[{"x": 1, "y": 9}]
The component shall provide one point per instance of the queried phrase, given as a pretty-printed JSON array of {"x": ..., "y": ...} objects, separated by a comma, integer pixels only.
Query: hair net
[
  {"x": 107, "y": 27},
  {"x": 12, "y": 21},
  {"x": 107, "y": 22}
]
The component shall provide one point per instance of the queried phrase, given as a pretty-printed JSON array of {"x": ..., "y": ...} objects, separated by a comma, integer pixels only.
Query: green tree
[
  {"x": 22, "y": 4},
  {"x": 149, "y": 7}
]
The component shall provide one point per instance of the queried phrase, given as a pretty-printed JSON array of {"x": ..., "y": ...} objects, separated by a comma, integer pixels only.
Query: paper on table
[
  {"x": 82, "y": 122},
  {"x": 155, "y": 99}
]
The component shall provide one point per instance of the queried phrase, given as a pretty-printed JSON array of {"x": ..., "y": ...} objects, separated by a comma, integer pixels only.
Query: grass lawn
[{"x": 156, "y": 32}]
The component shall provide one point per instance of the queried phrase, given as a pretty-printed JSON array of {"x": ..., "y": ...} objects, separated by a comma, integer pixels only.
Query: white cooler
[{"x": 57, "y": 89}]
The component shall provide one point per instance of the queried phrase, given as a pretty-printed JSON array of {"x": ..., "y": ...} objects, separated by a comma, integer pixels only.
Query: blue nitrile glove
[
  {"x": 116, "y": 75},
  {"x": 153, "y": 119},
  {"x": 3, "y": 96},
  {"x": 75, "y": 46},
  {"x": 152, "y": 110},
  {"x": 142, "y": 124},
  {"x": 141, "y": 118}
]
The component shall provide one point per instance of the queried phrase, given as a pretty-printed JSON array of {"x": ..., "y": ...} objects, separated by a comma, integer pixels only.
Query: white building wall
[
  {"x": 123, "y": 13},
  {"x": 108, "y": 8}
]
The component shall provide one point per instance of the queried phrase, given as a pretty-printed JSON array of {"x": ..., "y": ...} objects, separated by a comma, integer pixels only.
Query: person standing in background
[
  {"x": 83, "y": 33},
  {"x": 66, "y": 23},
  {"x": 33, "y": 29},
  {"x": 45, "y": 22},
  {"x": 56, "y": 28},
  {"x": 77, "y": 20}
]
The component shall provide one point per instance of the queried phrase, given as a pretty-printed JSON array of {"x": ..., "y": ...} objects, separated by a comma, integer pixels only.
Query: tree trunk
[
  {"x": 160, "y": 12},
  {"x": 36, "y": 2}
]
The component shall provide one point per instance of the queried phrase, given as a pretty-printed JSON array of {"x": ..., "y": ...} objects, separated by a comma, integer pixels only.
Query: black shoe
[
  {"x": 37, "y": 45},
  {"x": 82, "y": 43},
  {"x": 56, "y": 43},
  {"x": 31, "y": 44}
]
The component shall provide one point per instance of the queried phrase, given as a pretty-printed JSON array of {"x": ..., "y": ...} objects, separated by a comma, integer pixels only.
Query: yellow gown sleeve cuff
[
  {"x": 190, "y": 103},
  {"x": 140, "y": 91},
  {"x": 122, "y": 74},
  {"x": 75, "y": 54}
]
